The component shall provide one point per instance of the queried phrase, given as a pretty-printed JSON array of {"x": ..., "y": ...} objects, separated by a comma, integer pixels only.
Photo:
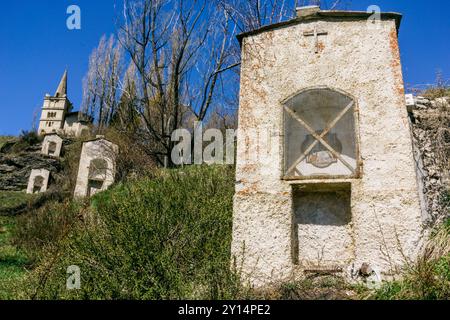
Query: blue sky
[{"x": 36, "y": 47}]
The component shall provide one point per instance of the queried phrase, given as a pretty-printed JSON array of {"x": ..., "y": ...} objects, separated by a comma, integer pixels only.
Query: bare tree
[
  {"x": 253, "y": 14},
  {"x": 179, "y": 49},
  {"x": 180, "y": 53},
  {"x": 101, "y": 84},
  {"x": 126, "y": 118},
  {"x": 325, "y": 4}
]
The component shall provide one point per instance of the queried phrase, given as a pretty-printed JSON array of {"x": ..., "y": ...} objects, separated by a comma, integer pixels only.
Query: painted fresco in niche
[{"x": 320, "y": 138}]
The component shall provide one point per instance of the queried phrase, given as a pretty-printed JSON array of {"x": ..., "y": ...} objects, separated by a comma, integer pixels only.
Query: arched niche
[
  {"x": 38, "y": 184},
  {"x": 320, "y": 139},
  {"x": 98, "y": 170}
]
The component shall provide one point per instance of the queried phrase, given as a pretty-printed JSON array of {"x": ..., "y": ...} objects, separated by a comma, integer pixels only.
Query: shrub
[
  {"x": 4, "y": 140},
  {"x": 436, "y": 92},
  {"x": 163, "y": 238},
  {"x": 26, "y": 139},
  {"x": 13, "y": 262},
  {"x": 44, "y": 226},
  {"x": 70, "y": 163},
  {"x": 13, "y": 201},
  {"x": 29, "y": 137},
  {"x": 132, "y": 161},
  {"x": 446, "y": 203},
  {"x": 439, "y": 90},
  {"x": 429, "y": 278}
]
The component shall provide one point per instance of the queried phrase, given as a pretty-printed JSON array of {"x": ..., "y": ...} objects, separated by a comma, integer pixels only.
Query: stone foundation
[{"x": 430, "y": 124}]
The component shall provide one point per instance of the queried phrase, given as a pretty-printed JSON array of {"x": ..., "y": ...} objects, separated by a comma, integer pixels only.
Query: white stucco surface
[
  {"x": 52, "y": 138},
  {"x": 100, "y": 149},
  {"x": 44, "y": 175}
]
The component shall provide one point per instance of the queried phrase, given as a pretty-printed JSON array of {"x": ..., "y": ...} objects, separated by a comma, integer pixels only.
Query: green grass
[
  {"x": 4, "y": 139},
  {"x": 429, "y": 277},
  {"x": 10, "y": 200},
  {"x": 13, "y": 262},
  {"x": 166, "y": 237}
]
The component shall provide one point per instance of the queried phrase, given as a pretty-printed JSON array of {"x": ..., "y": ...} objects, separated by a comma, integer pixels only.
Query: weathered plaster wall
[
  {"x": 46, "y": 144},
  {"x": 73, "y": 127},
  {"x": 96, "y": 149},
  {"x": 54, "y": 105},
  {"x": 35, "y": 173},
  {"x": 364, "y": 62},
  {"x": 323, "y": 231}
]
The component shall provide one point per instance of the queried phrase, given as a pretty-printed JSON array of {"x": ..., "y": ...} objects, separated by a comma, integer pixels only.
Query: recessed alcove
[
  {"x": 52, "y": 145},
  {"x": 322, "y": 225}
]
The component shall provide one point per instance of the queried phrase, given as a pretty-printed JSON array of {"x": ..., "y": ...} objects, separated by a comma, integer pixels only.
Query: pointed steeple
[{"x": 62, "y": 88}]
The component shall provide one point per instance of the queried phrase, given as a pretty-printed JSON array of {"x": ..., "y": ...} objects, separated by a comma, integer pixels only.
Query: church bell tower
[{"x": 54, "y": 109}]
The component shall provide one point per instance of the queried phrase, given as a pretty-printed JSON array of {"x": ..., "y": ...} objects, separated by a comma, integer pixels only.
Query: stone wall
[
  {"x": 16, "y": 167},
  {"x": 430, "y": 123}
]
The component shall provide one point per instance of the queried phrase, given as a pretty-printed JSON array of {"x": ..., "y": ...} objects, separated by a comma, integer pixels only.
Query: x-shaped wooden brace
[{"x": 319, "y": 138}]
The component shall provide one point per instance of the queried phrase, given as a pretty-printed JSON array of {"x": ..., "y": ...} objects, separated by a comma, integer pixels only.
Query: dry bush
[
  {"x": 312, "y": 287},
  {"x": 132, "y": 160},
  {"x": 440, "y": 122},
  {"x": 67, "y": 179},
  {"x": 438, "y": 90},
  {"x": 429, "y": 277}
]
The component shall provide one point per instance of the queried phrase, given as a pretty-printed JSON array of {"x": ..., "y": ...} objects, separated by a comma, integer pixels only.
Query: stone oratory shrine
[
  {"x": 326, "y": 179},
  {"x": 97, "y": 165}
]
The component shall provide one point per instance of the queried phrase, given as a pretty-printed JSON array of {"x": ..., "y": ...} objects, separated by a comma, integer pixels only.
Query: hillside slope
[
  {"x": 165, "y": 237},
  {"x": 168, "y": 236},
  {"x": 4, "y": 139}
]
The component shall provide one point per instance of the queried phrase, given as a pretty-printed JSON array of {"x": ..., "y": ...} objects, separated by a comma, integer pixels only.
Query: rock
[
  {"x": 365, "y": 270},
  {"x": 15, "y": 169},
  {"x": 5, "y": 168},
  {"x": 430, "y": 119},
  {"x": 422, "y": 100},
  {"x": 420, "y": 106},
  {"x": 7, "y": 146}
]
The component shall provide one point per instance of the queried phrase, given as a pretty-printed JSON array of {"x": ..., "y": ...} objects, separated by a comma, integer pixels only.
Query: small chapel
[
  {"x": 97, "y": 159},
  {"x": 58, "y": 116},
  {"x": 326, "y": 177}
]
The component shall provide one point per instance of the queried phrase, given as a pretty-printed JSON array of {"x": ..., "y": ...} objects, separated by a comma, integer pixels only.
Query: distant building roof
[
  {"x": 52, "y": 134},
  {"x": 98, "y": 138},
  {"x": 81, "y": 116}
]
